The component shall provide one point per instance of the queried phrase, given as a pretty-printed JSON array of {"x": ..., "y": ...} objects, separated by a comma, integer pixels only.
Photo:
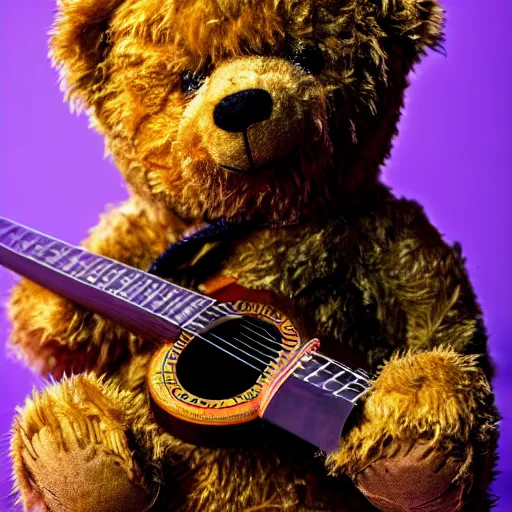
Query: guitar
[{"x": 266, "y": 372}]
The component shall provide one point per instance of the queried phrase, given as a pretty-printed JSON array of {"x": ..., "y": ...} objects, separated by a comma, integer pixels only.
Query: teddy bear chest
[{"x": 315, "y": 280}]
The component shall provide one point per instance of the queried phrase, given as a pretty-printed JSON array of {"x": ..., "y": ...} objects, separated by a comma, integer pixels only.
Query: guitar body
[
  {"x": 235, "y": 358},
  {"x": 195, "y": 378}
]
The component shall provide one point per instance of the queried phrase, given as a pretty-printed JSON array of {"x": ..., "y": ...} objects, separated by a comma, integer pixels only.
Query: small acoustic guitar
[{"x": 267, "y": 370}]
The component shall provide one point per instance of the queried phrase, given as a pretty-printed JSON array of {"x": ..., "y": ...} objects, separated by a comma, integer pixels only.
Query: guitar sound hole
[{"x": 227, "y": 359}]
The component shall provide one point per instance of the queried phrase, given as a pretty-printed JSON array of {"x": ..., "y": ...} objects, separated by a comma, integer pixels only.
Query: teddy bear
[{"x": 275, "y": 116}]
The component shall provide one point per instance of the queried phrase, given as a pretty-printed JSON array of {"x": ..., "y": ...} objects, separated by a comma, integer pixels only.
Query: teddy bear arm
[
  {"x": 426, "y": 437},
  {"x": 418, "y": 272},
  {"x": 55, "y": 335}
]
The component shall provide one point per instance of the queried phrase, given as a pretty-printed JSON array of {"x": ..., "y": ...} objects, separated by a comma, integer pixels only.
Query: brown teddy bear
[{"x": 274, "y": 115}]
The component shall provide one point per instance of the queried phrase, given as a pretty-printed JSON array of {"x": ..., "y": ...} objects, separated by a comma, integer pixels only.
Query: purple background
[{"x": 454, "y": 155}]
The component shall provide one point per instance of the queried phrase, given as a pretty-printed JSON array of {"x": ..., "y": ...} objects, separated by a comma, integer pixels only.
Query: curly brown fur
[
  {"x": 362, "y": 270},
  {"x": 70, "y": 445},
  {"x": 133, "y": 91}
]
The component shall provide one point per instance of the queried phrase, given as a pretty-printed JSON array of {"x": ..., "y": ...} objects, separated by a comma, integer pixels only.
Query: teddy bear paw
[
  {"x": 416, "y": 478},
  {"x": 80, "y": 462}
]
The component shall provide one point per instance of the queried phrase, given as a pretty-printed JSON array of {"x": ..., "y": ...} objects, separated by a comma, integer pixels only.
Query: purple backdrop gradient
[{"x": 454, "y": 154}]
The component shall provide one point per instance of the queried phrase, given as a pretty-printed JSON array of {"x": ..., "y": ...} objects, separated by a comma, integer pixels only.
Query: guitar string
[
  {"x": 241, "y": 359},
  {"x": 259, "y": 343},
  {"x": 244, "y": 319},
  {"x": 239, "y": 349},
  {"x": 261, "y": 371},
  {"x": 250, "y": 321},
  {"x": 197, "y": 335},
  {"x": 255, "y": 349},
  {"x": 255, "y": 325}
]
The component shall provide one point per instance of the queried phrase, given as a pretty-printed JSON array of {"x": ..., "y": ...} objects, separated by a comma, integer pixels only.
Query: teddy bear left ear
[
  {"x": 417, "y": 23},
  {"x": 79, "y": 45}
]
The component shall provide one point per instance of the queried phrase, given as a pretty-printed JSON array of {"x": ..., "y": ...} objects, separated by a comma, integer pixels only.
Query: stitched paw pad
[
  {"x": 418, "y": 478},
  {"x": 75, "y": 462}
]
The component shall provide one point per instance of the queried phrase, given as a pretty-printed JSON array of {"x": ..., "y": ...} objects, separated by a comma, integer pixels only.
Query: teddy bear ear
[
  {"x": 79, "y": 45},
  {"x": 417, "y": 23}
]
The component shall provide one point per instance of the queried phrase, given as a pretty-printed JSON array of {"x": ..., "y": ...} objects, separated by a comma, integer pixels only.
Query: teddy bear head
[{"x": 267, "y": 110}]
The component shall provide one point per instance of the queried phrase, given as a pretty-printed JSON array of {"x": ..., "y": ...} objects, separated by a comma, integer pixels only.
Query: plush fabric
[{"x": 166, "y": 82}]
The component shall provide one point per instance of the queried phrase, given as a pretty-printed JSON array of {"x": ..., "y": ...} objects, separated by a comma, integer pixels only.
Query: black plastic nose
[{"x": 238, "y": 111}]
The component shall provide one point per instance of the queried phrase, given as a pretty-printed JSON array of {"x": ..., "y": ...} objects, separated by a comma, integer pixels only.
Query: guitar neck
[
  {"x": 312, "y": 399},
  {"x": 315, "y": 401},
  {"x": 146, "y": 304}
]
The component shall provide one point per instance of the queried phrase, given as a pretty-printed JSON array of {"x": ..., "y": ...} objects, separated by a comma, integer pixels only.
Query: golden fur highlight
[
  {"x": 362, "y": 270},
  {"x": 84, "y": 416},
  {"x": 133, "y": 89}
]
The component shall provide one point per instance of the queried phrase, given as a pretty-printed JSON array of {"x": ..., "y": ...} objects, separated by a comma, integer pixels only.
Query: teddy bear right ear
[{"x": 79, "y": 44}]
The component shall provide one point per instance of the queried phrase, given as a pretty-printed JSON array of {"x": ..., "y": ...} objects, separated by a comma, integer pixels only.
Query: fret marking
[
  {"x": 152, "y": 296},
  {"x": 59, "y": 257},
  {"x": 168, "y": 306},
  {"x": 110, "y": 281},
  {"x": 148, "y": 292},
  {"x": 7, "y": 229},
  {"x": 332, "y": 376},
  {"x": 192, "y": 318},
  {"x": 128, "y": 283},
  {"x": 83, "y": 267},
  {"x": 28, "y": 245},
  {"x": 141, "y": 289},
  {"x": 100, "y": 271}
]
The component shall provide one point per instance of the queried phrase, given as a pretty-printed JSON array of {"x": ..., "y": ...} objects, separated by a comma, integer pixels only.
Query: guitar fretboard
[
  {"x": 332, "y": 376},
  {"x": 316, "y": 400},
  {"x": 43, "y": 259}
]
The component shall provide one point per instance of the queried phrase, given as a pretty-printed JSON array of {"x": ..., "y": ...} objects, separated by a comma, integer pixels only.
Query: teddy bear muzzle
[
  {"x": 253, "y": 112},
  {"x": 236, "y": 112}
]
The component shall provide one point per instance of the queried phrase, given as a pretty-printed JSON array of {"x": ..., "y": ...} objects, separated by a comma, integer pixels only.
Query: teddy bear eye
[
  {"x": 308, "y": 58},
  {"x": 191, "y": 81}
]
